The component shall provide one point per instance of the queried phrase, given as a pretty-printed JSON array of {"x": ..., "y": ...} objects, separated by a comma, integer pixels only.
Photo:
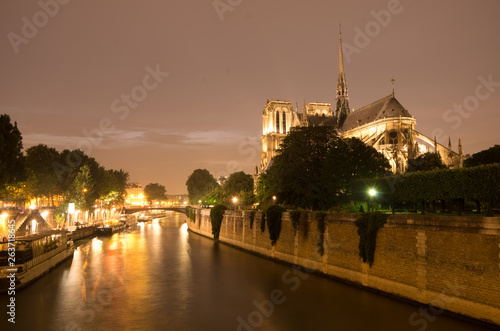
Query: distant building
[
  {"x": 177, "y": 199},
  {"x": 384, "y": 124},
  {"x": 135, "y": 195}
]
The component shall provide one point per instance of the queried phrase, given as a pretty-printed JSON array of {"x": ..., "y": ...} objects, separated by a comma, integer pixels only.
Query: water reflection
[{"x": 158, "y": 276}]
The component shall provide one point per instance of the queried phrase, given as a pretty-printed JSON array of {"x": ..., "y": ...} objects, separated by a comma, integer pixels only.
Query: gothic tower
[{"x": 342, "y": 98}]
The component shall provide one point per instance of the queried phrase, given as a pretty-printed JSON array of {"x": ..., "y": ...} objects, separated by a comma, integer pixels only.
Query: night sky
[{"x": 201, "y": 76}]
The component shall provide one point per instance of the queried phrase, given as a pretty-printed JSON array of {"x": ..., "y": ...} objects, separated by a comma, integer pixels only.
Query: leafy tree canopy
[
  {"x": 426, "y": 162},
  {"x": 39, "y": 161},
  {"x": 237, "y": 182},
  {"x": 155, "y": 191},
  {"x": 200, "y": 183},
  {"x": 12, "y": 159},
  {"x": 487, "y": 156},
  {"x": 80, "y": 190},
  {"x": 315, "y": 167},
  {"x": 239, "y": 185}
]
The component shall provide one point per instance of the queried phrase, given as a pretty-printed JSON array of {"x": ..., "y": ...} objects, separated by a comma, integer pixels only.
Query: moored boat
[
  {"x": 82, "y": 232},
  {"x": 128, "y": 220},
  {"x": 110, "y": 229},
  {"x": 144, "y": 218},
  {"x": 30, "y": 257}
]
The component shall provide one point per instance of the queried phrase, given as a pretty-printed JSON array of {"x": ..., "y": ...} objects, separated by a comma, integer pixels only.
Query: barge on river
[
  {"x": 30, "y": 257},
  {"x": 110, "y": 229}
]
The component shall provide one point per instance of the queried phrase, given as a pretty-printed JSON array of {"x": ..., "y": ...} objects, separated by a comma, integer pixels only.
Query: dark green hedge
[
  {"x": 480, "y": 183},
  {"x": 320, "y": 218},
  {"x": 252, "y": 217},
  {"x": 274, "y": 214},
  {"x": 216, "y": 216},
  {"x": 368, "y": 225}
]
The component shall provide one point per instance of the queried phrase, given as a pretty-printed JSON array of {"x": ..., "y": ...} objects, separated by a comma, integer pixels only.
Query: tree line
[
  {"x": 317, "y": 169},
  {"x": 43, "y": 172},
  {"x": 203, "y": 188}
]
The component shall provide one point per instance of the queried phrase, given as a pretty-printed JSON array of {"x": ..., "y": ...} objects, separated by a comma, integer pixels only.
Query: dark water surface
[{"x": 158, "y": 276}]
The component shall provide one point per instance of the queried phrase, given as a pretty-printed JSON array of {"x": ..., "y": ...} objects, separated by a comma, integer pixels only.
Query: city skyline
[{"x": 200, "y": 76}]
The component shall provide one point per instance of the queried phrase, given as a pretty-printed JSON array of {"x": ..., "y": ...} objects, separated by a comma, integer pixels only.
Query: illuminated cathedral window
[
  {"x": 393, "y": 137},
  {"x": 284, "y": 123},
  {"x": 277, "y": 122}
]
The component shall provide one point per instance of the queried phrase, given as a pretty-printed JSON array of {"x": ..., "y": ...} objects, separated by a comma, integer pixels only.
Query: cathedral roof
[
  {"x": 313, "y": 120},
  {"x": 388, "y": 107}
]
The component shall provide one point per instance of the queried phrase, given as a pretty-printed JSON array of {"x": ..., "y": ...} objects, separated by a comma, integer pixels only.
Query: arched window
[
  {"x": 277, "y": 122},
  {"x": 393, "y": 137},
  {"x": 284, "y": 122}
]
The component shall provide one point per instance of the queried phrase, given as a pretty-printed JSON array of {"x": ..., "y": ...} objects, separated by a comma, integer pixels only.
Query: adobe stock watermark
[
  {"x": 436, "y": 307},
  {"x": 120, "y": 106},
  {"x": 372, "y": 29},
  {"x": 264, "y": 309},
  {"x": 30, "y": 27},
  {"x": 470, "y": 104},
  {"x": 222, "y": 7}
]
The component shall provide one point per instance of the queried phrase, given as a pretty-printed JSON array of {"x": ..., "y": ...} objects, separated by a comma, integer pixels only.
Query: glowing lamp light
[
  {"x": 372, "y": 192},
  {"x": 235, "y": 200},
  {"x": 274, "y": 198}
]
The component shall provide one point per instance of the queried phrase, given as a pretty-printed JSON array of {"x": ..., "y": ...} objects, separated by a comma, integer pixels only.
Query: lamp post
[
  {"x": 372, "y": 193},
  {"x": 274, "y": 198},
  {"x": 235, "y": 201}
]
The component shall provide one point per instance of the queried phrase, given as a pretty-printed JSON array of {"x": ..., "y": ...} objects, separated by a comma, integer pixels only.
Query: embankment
[{"x": 447, "y": 262}]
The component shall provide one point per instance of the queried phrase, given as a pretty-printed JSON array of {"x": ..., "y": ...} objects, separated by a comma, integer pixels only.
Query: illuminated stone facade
[
  {"x": 135, "y": 195},
  {"x": 384, "y": 124}
]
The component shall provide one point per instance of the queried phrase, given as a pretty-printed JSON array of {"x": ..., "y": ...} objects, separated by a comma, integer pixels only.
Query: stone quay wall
[{"x": 445, "y": 262}]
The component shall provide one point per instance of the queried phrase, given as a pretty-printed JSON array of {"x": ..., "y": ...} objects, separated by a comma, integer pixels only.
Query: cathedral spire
[{"x": 342, "y": 97}]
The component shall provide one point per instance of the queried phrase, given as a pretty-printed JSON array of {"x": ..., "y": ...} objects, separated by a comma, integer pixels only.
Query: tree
[
  {"x": 237, "y": 182},
  {"x": 12, "y": 159},
  {"x": 352, "y": 159},
  {"x": 199, "y": 184},
  {"x": 426, "y": 162},
  {"x": 114, "y": 190},
  {"x": 19, "y": 192},
  {"x": 80, "y": 190},
  {"x": 314, "y": 168},
  {"x": 39, "y": 160},
  {"x": 240, "y": 185},
  {"x": 297, "y": 173},
  {"x": 263, "y": 188},
  {"x": 487, "y": 156},
  {"x": 155, "y": 191}
]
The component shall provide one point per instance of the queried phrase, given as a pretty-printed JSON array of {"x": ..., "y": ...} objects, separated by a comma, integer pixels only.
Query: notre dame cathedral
[{"x": 384, "y": 124}]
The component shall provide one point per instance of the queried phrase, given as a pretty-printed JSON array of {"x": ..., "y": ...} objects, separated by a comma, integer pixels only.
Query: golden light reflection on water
[
  {"x": 124, "y": 275},
  {"x": 120, "y": 283}
]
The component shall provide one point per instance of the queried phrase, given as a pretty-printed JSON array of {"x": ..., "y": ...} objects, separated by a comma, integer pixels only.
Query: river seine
[{"x": 158, "y": 276}]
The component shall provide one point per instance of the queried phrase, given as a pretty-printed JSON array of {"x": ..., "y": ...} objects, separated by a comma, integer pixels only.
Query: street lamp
[
  {"x": 372, "y": 193},
  {"x": 235, "y": 201},
  {"x": 274, "y": 198}
]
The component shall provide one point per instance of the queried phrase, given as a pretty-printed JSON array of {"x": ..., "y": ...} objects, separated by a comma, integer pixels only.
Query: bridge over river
[{"x": 180, "y": 209}]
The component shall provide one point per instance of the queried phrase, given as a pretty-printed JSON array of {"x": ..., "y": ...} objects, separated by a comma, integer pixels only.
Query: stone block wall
[{"x": 449, "y": 262}]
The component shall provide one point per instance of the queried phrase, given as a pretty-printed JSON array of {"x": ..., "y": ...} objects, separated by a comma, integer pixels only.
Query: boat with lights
[{"x": 30, "y": 257}]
